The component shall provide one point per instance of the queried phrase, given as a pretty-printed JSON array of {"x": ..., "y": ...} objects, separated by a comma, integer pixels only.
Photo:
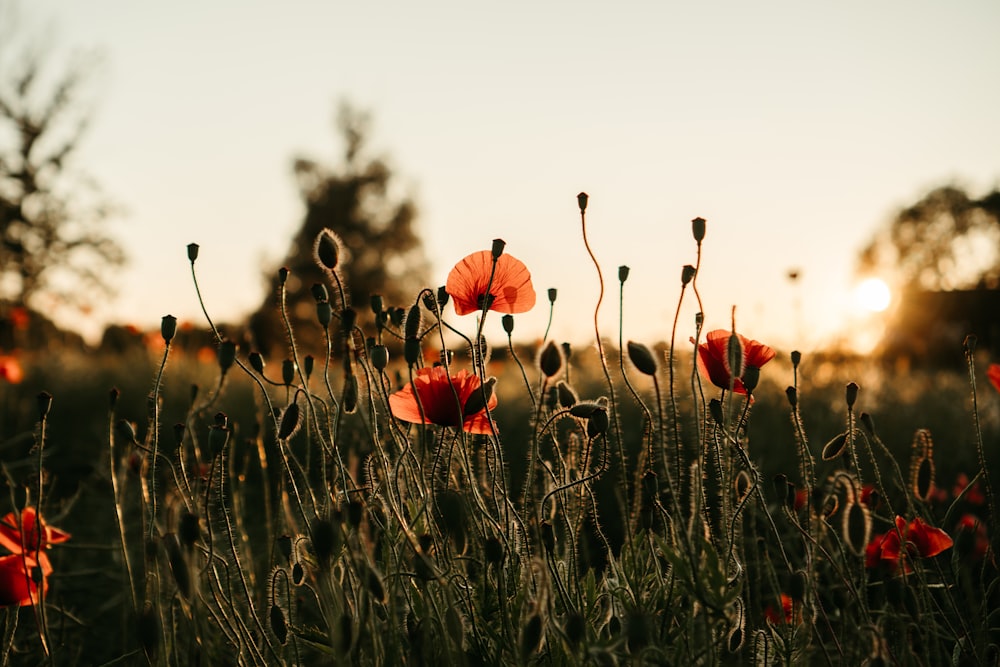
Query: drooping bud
[
  {"x": 598, "y": 423},
  {"x": 443, "y": 296},
  {"x": 377, "y": 304},
  {"x": 641, "y": 358},
  {"x": 279, "y": 626},
  {"x": 567, "y": 397},
  {"x": 289, "y": 422},
  {"x": 687, "y": 274},
  {"x": 497, "y": 249},
  {"x": 548, "y": 537},
  {"x": 319, "y": 292},
  {"x": 835, "y": 447},
  {"x": 192, "y": 252},
  {"x": 168, "y": 327},
  {"x": 581, "y": 201}
]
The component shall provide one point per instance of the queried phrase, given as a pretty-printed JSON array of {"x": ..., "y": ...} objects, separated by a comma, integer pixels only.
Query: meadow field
[{"x": 410, "y": 493}]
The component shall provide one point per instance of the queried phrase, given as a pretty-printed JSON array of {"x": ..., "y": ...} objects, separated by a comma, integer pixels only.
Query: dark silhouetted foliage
[{"x": 384, "y": 254}]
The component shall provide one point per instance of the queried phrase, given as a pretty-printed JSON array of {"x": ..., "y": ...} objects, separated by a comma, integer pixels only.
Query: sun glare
[{"x": 873, "y": 295}]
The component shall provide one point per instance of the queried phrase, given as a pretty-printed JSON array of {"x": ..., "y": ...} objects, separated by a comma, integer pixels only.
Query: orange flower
[
  {"x": 510, "y": 292},
  {"x": 27, "y": 545},
  {"x": 713, "y": 358},
  {"x": 437, "y": 393},
  {"x": 10, "y": 369},
  {"x": 993, "y": 373},
  {"x": 918, "y": 540}
]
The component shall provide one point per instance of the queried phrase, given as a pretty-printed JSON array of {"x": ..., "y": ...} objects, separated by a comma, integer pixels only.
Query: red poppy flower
[
  {"x": 918, "y": 540},
  {"x": 787, "y": 611},
  {"x": 510, "y": 292},
  {"x": 17, "y": 587},
  {"x": 27, "y": 545},
  {"x": 993, "y": 373},
  {"x": 10, "y": 369},
  {"x": 437, "y": 393},
  {"x": 713, "y": 358}
]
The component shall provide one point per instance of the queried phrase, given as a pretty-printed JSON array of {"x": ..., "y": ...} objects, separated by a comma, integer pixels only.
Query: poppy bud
[
  {"x": 715, "y": 409},
  {"x": 324, "y": 541},
  {"x": 553, "y": 292},
  {"x": 567, "y": 397},
  {"x": 350, "y": 398},
  {"x": 493, "y": 551},
  {"x": 581, "y": 201},
  {"x": 567, "y": 351},
  {"x": 168, "y": 327},
  {"x": 412, "y": 322},
  {"x": 508, "y": 323},
  {"x": 751, "y": 376},
  {"x": 282, "y": 276},
  {"x": 396, "y": 316},
  {"x": 348, "y": 318},
  {"x": 796, "y": 358},
  {"x": 411, "y": 351},
  {"x": 793, "y": 396},
  {"x": 548, "y": 537},
  {"x": 622, "y": 273},
  {"x": 44, "y": 404},
  {"x": 597, "y": 423},
  {"x": 289, "y": 422},
  {"x": 443, "y": 296},
  {"x": 687, "y": 274},
  {"x": 476, "y": 401},
  {"x": 307, "y": 365},
  {"x": 218, "y": 436},
  {"x": 698, "y": 229},
  {"x": 327, "y": 249},
  {"x": 735, "y": 351},
  {"x": 256, "y": 362},
  {"x": 279, "y": 625},
  {"x": 380, "y": 357},
  {"x": 298, "y": 573},
  {"x": 641, "y": 358},
  {"x": 287, "y": 371},
  {"x": 376, "y": 303},
  {"x": 851, "y": 394},
  {"x": 226, "y": 355},
  {"x": 192, "y": 252},
  {"x": 835, "y": 447},
  {"x": 550, "y": 360},
  {"x": 497, "y": 249},
  {"x": 324, "y": 313},
  {"x": 319, "y": 292}
]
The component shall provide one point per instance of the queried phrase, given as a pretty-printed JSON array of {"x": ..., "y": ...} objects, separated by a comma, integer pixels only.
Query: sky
[{"x": 795, "y": 129}]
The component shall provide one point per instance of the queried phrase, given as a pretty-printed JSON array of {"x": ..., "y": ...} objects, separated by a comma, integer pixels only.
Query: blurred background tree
[
  {"x": 948, "y": 240},
  {"x": 54, "y": 251},
  {"x": 384, "y": 255}
]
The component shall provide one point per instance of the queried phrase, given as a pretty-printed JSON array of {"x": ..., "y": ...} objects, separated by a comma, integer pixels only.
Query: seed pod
[
  {"x": 793, "y": 396},
  {"x": 623, "y": 272},
  {"x": 641, "y": 358},
  {"x": 687, "y": 274},
  {"x": 698, "y": 229},
  {"x": 192, "y": 252},
  {"x": 298, "y": 573},
  {"x": 226, "y": 355},
  {"x": 279, "y": 626},
  {"x": 508, "y": 323},
  {"x": 715, "y": 409},
  {"x": 796, "y": 358},
  {"x": 307, "y": 365},
  {"x": 380, "y": 357},
  {"x": 567, "y": 397},
  {"x": 256, "y": 362},
  {"x": 751, "y": 376},
  {"x": 288, "y": 372},
  {"x": 168, "y": 327},
  {"x": 581, "y": 201},
  {"x": 552, "y": 293},
  {"x": 851, "y": 394},
  {"x": 497, "y": 248}
]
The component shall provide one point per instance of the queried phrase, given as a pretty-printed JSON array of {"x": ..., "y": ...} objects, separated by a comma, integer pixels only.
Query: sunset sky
[{"x": 794, "y": 128}]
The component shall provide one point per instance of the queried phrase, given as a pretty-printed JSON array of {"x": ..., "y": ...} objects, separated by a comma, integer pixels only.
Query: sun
[{"x": 873, "y": 295}]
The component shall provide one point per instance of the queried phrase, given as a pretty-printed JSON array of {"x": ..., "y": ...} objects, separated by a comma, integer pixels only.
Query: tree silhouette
[
  {"x": 947, "y": 240},
  {"x": 383, "y": 253},
  {"x": 53, "y": 250}
]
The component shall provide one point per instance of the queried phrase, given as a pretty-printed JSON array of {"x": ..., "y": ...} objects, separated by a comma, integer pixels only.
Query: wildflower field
[{"x": 415, "y": 494}]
